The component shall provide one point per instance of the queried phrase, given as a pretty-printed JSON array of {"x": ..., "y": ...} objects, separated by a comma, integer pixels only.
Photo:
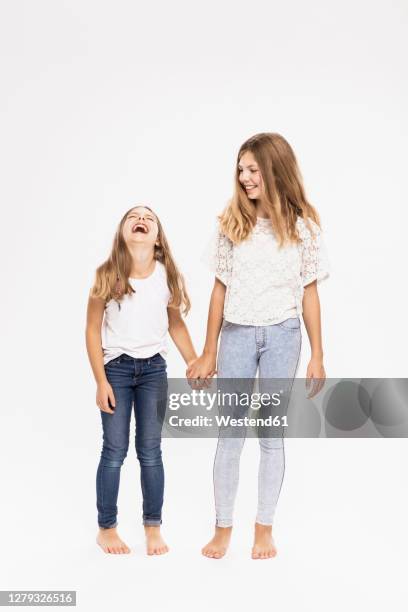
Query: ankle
[
  {"x": 152, "y": 528},
  {"x": 223, "y": 531},
  {"x": 107, "y": 529}
]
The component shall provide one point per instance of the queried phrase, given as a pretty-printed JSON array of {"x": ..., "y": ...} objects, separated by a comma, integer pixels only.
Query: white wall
[{"x": 110, "y": 104}]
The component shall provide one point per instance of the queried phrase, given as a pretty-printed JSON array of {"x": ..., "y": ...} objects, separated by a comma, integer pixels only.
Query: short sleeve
[
  {"x": 315, "y": 262},
  {"x": 217, "y": 256}
]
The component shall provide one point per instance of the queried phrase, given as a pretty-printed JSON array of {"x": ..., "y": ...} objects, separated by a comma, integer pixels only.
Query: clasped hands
[{"x": 200, "y": 370}]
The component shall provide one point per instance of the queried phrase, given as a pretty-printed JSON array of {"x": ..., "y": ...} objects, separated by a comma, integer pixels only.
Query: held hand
[
  {"x": 315, "y": 376},
  {"x": 202, "y": 367},
  {"x": 200, "y": 370},
  {"x": 104, "y": 395}
]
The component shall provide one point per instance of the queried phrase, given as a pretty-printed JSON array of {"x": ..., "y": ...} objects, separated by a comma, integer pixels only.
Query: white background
[{"x": 106, "y": 105}]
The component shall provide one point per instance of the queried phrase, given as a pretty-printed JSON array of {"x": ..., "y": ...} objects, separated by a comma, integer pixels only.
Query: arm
[
  {"x": 311, "y": 318},
  {"x": 205, "y": 365},
  {"x": 180, "y": 335},
  {"x": 94, "y": 318}
]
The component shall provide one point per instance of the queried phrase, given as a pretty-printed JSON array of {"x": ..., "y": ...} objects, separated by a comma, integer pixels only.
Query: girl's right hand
[
  {"x": 104, "y": 395},
  {"x": 203, "y": 367}
]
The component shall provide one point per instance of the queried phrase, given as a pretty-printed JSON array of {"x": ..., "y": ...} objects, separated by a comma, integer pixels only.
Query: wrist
[
  {"x": 317, "y": 355},
  {"x": 209, "y": 351}
]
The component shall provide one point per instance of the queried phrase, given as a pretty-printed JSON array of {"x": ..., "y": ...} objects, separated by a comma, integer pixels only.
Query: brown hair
[
  {"x": 112, "y": 277},
  {"x": 284, "y": 195}
]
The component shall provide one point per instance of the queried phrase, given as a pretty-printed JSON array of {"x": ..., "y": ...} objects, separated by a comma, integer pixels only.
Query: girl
[
  {"x": 269, "y": 255},
  {"x": 138, "y": 294}
]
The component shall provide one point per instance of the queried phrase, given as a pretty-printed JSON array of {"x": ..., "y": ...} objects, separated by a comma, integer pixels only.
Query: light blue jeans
[{"x": 275, "y": 351}]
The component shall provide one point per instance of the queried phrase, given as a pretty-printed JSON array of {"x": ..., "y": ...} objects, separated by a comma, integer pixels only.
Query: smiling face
[
  {"x": 140, "y": 227},
  {"x": 250, "y": 176}
]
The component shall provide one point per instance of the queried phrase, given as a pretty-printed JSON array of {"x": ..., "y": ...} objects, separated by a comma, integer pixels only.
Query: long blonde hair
[
  {"x": 112, "y": 277},
  {"x": 284, "y": 195}
]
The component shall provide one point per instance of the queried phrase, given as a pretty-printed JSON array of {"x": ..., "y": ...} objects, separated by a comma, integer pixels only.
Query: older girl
[{"x": 268, "y": 257}]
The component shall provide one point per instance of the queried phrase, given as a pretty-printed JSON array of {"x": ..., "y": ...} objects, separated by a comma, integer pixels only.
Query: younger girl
[
  {"x": 138, "y": 294},
  {"x": 268, "y": 257}
]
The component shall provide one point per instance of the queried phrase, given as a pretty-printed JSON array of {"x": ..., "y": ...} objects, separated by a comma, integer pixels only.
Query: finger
[
  {"x": 321, "y": 382},
  {"x": 105, "y": 406},
  {"x": 318, "y": 385},
  {"x": 108, "y": 410},
  {"x": 315, "y": 387},
  {"x": 309, "y": 386},
  {"x": 111, "y": 397}
]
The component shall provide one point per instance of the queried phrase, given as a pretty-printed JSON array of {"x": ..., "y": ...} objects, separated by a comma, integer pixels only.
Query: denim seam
[{"x": 283, "y": 432}]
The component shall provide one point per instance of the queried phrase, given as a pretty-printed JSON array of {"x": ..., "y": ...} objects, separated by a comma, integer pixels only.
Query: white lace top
[{"x": 264, "y": 285}]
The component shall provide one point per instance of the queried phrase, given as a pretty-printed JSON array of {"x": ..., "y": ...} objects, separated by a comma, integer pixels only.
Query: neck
[
  {"x": 260, "y": 210},
  {"x": 143, "y": 262}
]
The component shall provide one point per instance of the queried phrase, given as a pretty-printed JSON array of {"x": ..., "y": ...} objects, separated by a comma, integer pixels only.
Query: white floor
[{"x": 340, "y": 529}]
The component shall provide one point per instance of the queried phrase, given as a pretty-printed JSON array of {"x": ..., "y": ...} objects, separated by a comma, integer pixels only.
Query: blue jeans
[
  {"x": 141, "y": 383},
  {"x": 275, "y": 350}
]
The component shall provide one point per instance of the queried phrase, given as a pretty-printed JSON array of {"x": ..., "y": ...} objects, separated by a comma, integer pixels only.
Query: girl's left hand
[{"x": 315, "y": 376}]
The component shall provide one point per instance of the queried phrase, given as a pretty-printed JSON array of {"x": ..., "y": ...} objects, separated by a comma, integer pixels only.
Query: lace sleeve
[
  {"x": 217, "y": 256},
  {"x": 315, "y": 262}
]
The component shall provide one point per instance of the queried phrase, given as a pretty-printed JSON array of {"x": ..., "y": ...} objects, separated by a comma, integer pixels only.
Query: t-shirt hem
[
  {"x": 293, "y": 314},
  {"x": 135, "y": 355}
]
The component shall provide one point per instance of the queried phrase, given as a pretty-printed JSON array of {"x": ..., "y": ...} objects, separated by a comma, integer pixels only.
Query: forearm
[
  {"x": 214, "y": 322},
  {"x": 95, "y": 354},
  {"x": 312, "y": 319},
  {"x": 181, "y": 338}
]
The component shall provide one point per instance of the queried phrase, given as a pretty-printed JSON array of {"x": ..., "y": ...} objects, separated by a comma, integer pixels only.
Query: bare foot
[
  {"x": 217, "y": 547},
  {"x": 264, "y": 546},
  {"x": 110, "y": 542},
  {"x": 155, "y": 545}
]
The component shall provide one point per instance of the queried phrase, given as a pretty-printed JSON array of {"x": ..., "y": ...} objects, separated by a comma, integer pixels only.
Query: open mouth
[{"x": 140, "y": 227}]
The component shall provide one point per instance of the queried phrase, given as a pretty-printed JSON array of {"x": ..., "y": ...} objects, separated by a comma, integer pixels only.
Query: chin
[{"x": 140, "y": 238}]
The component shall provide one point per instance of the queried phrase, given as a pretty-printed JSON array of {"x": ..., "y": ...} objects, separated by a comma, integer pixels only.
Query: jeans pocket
[
  {"x": 157, "y": 361},
  {"x": 226, "y": 324},
  {"x": 292, "y": 324},
  {"x": 114, "y": 362}
]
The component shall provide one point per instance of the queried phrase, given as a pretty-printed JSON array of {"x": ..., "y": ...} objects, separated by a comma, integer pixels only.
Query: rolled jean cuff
[
  {"x": 109, "y": 526},
  {"x": 263, "y": 522},
  {"x": 152, "y": 522},
  {"x": 266, "y": 520},
  {"x": 223, "y": 523}
]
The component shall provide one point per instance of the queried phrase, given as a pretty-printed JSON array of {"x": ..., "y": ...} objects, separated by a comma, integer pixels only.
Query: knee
[
  {"x": 231, "y": 446},
  {"x": 149, "y": 454},
  {"x": 113, "y": 457},
  {"x": 269, "y": 445}
]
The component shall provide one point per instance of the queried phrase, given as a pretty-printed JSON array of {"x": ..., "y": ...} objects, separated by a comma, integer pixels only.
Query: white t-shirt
[
  {"x": 264, "y": 285},
  {"x": 138, "y": 325}
]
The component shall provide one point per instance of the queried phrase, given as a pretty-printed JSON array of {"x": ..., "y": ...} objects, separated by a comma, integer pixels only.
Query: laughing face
[
  {"x": 140, "y": 227},
  {"x": 250, "y": 176}
]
